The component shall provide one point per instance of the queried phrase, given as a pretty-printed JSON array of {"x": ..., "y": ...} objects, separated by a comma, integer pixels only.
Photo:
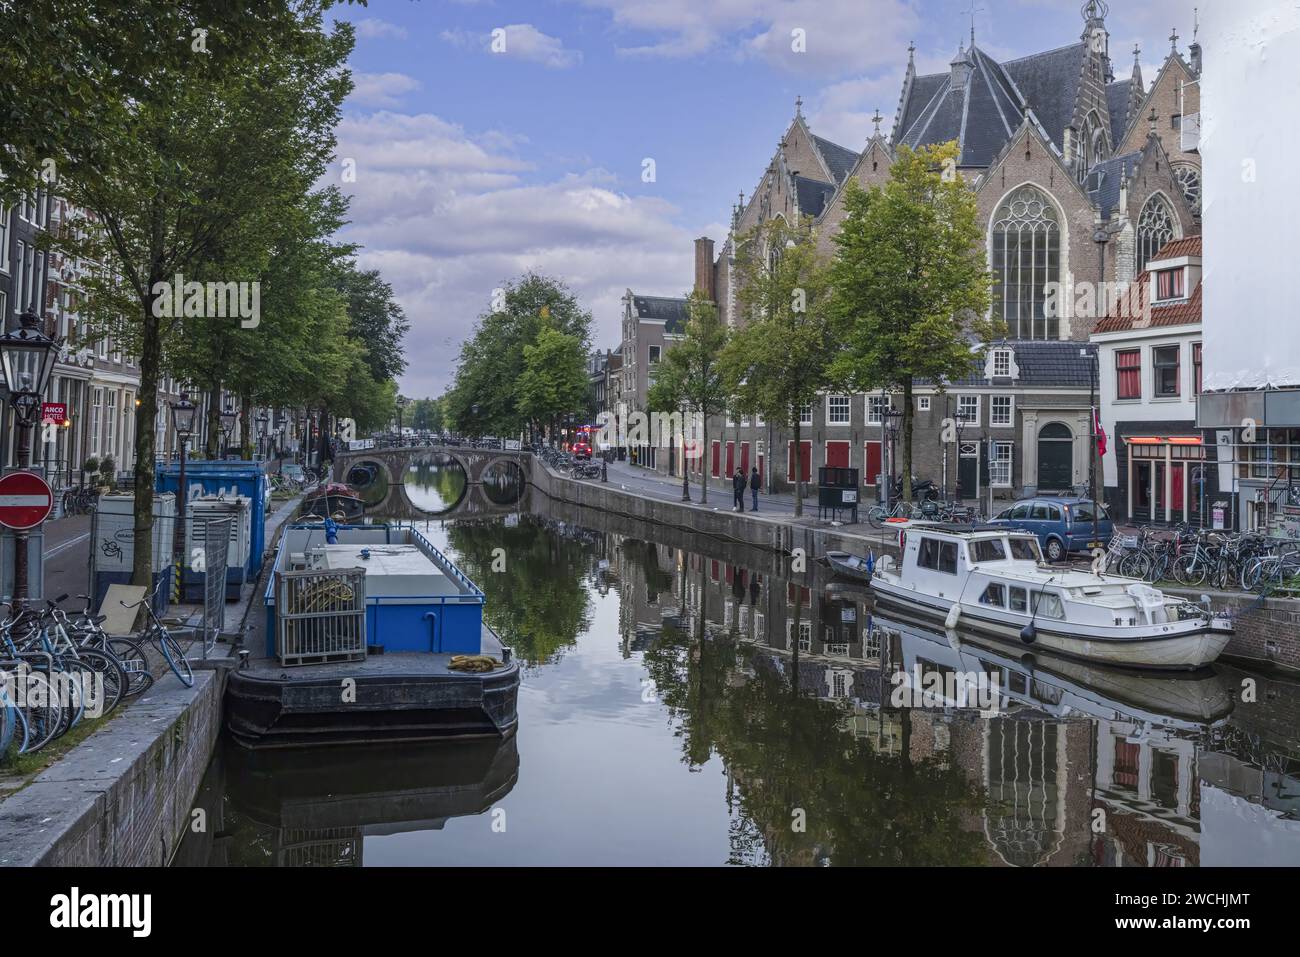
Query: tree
[
  {"x": 910, "y": 283},
  {"x": 179, "y": 153},
  {"x": 779, "y": 360},
  {"x": 667, "y": 394},
  {"x": 554, "y": 381},
  {"x": 695, "y": 365}
]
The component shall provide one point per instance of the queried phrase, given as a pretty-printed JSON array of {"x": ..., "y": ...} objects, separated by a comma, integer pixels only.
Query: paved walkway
[{"x": 644, "y": 481}]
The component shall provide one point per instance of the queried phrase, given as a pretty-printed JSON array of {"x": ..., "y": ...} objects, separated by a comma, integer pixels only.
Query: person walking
[
  {"x": 754, "y": 483},
  {"x": 738, "y": 486}
]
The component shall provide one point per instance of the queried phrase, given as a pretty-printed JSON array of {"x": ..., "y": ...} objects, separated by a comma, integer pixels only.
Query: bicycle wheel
[
  {"x": 176, "y": 659},
  {"x": 135, "y": 662},
  {"x": 42, "y": 716},
  {"x": 110, "y": 687},
  {"x": 876, "y": 516},
  {"x": 1135, "y": 565},
  {"x": 1189, "y": 571}
]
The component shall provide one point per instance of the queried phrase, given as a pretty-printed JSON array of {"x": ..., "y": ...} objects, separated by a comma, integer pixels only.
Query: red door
[
  {"x": 875, "y": 463},
  {"x": 731, "y": 458},
  {"x": 716, "y": 452},
  {"x": 805, "y": 464},
  {"x": 744, "y": 458},
  {"x": 837, "y": 455}
]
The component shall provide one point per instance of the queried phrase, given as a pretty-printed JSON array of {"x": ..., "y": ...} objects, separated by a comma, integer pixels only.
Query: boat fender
[
  {"x": 954, "y": 615},
  {"x": 1029, "y": 633}
]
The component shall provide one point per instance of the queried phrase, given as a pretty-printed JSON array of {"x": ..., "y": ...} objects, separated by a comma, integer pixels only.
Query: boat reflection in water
[{"x": 317, "y": 807}]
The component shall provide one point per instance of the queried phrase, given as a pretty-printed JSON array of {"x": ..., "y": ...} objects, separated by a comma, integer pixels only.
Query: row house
[{"x": 1158, "y": 469}]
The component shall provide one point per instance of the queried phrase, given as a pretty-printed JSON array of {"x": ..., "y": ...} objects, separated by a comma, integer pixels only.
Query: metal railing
[{"x": 320, "y": 616}]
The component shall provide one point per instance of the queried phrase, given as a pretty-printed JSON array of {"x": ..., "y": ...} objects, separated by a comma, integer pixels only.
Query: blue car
[{"x": 1063, "y": 525}]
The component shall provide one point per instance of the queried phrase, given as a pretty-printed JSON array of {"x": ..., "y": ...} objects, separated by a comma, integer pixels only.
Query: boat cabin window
[
  {"x": 994, "y": 595},
  {"x": 937, "y": 555},
  {"x": 1049, "y": 605},
  {"x": 1019, "y": 600},
  {"x": 1026, "y": 549},
  {"x": 988, "y": 550}
]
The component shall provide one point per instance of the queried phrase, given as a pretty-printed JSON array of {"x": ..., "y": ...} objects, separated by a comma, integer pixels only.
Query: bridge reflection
[{"x": 422, "y": 482}]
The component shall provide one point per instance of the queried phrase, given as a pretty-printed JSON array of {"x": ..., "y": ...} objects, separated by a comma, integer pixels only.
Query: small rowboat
[{"x": 851, "y": 566}]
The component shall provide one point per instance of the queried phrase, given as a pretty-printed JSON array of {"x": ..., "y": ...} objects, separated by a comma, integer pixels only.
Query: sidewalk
[{"x": 634, "y": 478}]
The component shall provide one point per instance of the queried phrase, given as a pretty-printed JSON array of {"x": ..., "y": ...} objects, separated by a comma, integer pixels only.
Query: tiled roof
[
  {"x": 1042, "y": 363},
  {"x": 840, "y": 159},
  {"x": 984, "y": 114},
  {"x": 1131, "y": 311},
  {"x": 813, "y": 195},
  {"x": 1118, "y": 95},
  {"x": 671, "y": 312}
]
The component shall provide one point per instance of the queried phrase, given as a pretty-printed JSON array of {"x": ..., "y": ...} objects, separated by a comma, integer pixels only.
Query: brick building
[{"x": 1080, "y": 178}]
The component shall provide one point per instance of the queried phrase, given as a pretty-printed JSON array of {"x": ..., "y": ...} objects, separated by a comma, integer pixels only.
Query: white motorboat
[{"x": 994, "y": 581}]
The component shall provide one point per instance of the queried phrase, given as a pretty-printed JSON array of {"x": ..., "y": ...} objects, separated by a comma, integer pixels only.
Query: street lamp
[
  {"x": 228, "y": 418},
  {"x": 27, "y": 355},
  {"x": 401, "y": 405},
  {"x": 262, "y": 421},
  {"x": 892, "y": 419},
  {"x": 183, "y": 411},
  {"x": 962, "y": 421}
]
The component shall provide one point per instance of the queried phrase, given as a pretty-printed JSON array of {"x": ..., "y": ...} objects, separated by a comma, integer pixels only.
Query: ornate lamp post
[
  {"x": 183, "y": 411},
  {"x": 262, "y": 421},
  {"x": 228, "y": 418},
  {"x": 401, "y": 406},
  {"x": 27, "y": 355},
  {"x": 892, "y": 419},
  {"x": 962, "y": 422}
]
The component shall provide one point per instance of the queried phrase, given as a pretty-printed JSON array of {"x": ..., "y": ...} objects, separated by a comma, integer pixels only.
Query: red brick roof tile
[{"x": 1129, "y": 312}]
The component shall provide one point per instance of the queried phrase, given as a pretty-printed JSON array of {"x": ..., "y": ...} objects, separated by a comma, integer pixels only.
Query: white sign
[
  {"x": 850, "y": 498},
  {"x": 512, "y": 445}
]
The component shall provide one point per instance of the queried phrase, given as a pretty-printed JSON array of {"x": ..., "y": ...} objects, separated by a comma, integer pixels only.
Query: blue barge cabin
[{"x": 362, "y": 637}]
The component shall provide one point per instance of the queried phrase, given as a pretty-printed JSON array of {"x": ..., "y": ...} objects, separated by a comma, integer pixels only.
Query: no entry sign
[{"x": 25, "y": 500}]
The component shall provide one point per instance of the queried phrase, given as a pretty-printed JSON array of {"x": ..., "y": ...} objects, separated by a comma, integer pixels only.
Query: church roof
[
  {"x": 983, "y": 113},
  {"x": 840, "y": 159},
  {"x": 813, "y": 195},
  {"x": 672, "y": 312},
  {"x": 1118, "y": 96},
  {"x": 1048, "y": 363},
  {"x": 1104, "y": 180}
]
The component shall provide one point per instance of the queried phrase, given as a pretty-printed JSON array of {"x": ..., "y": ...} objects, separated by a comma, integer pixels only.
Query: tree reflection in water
[{"x": 435, "y": 483}]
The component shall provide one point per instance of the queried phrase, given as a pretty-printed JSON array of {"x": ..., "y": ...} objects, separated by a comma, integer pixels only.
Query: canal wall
[
  {"x": 1267, "y": 632},
  {"x": 122, "y": 797}
]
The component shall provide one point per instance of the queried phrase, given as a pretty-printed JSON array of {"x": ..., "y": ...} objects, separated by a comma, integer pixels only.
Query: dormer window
[
  {"x": 1170, "y": 284},
  {"x": 1002, "y": 363}
]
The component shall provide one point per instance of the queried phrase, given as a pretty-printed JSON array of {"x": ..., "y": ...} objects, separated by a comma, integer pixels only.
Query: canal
[{"x": 688, "y": 702}]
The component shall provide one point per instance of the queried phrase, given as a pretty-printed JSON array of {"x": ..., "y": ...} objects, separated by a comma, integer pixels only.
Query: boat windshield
[
  {"x": 1025, "y": 549},
  {"x": 988, "y": 550}
]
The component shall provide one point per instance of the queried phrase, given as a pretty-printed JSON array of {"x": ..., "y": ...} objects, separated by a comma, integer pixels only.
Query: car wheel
[{"x": 1055, "y": 550}]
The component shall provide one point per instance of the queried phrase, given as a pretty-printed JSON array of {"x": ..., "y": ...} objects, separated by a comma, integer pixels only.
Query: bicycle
[{"x": 157, "y": 632}]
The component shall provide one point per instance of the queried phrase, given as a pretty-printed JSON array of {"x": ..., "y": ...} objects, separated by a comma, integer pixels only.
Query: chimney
[{"x": 704, "y": 267}]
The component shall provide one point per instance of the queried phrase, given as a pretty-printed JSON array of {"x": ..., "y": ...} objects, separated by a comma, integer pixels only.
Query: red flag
[{"x": 1102, "y": 442}]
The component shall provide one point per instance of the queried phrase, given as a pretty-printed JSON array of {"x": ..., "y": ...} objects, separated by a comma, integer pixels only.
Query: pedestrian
[
  {"x": 738, "y": 486},
  {"x": 754, "y": 483}
]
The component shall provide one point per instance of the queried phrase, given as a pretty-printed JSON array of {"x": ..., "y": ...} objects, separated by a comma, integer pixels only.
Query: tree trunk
[
  {"x": 907, "y": 443},
  {"x": 246, "y": 427},
  {"x": 212, "y": 449},
  {"x": 798, "y": 467},
  {"x": 145, "y": 417},
  {"x": 708, "y": 465}
]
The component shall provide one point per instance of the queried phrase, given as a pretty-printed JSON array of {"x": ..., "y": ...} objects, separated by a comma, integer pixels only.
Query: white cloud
[
  {"x": 448, "y": 215},
  {"x": 521, "y": 41},
  {"x": 372, "y": 28},
  {"x": 381, "y": 89},
  {"x": 839, "y": 35}
]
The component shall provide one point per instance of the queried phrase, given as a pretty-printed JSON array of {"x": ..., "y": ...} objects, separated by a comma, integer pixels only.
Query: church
[{"x": 1080, "y": 177}]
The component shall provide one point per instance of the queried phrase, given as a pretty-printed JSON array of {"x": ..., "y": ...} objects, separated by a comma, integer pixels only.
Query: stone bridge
[{"x": 437, "y": 481}]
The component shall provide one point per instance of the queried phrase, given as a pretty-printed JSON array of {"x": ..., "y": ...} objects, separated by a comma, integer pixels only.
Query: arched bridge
[{"x": 436, "y": 481}]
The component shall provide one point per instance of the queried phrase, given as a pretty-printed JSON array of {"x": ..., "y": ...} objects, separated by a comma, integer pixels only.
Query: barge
[{"x": 367, "y": 638}]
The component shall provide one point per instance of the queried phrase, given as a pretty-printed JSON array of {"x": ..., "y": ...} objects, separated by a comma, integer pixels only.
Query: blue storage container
[{"x": 233, "y": 478}]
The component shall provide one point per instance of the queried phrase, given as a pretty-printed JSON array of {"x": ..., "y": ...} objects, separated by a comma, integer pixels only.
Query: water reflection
[
  {"x": 504, "y": 483},
  {"x": 370, "y": 480},
  {"x": 688, "y": 705},
  {"x": 435, "y": 482}
]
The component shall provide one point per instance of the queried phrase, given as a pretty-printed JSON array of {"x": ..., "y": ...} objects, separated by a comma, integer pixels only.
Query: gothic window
[
  {"x": 1025, "y": 257},
  {"x": 1189, "y": 178},
  {"x": 1155, "y": 229}
]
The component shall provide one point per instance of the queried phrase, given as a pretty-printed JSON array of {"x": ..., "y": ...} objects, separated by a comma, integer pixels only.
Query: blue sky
[{"x": 474, "y": 165}]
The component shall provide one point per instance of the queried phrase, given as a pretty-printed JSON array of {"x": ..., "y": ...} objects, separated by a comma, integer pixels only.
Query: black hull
[{"x": 325, "y": 506}]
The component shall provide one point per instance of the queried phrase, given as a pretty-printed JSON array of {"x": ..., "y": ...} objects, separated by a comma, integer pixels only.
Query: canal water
[{"x": 684, "y": 702}]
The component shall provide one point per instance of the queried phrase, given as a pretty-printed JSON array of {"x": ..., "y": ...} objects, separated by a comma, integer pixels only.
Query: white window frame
[
  {"x": 759, "y": 420},
  {"x": 965, "y": 399},
  {"x": 998, "y": 460},
  {"x": 96, "y": 415},
  {"x": 923, "y": 403},
  {"x": 876, "y": 409},
  {"x": 650, "y": 356},
  {"x": 4, "y": 239},
  {"x": 805, "y": 634},
  {"x": 847, "y": 408},
  {"x": 994, "y": 421},
  {"x": 1001, "y": 357},
  {"x": 806, "y": 414}
]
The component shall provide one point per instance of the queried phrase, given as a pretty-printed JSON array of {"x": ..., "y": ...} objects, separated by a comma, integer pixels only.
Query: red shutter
[
  {"x": 744, "y": 458},
  {"x": 837, "y": 455},
  {"x": 805, "y": 464},
  {"x": 875, "y": 463},
  {"x": 716, "y": 455},
  {"x": 731, "y": 458}
]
